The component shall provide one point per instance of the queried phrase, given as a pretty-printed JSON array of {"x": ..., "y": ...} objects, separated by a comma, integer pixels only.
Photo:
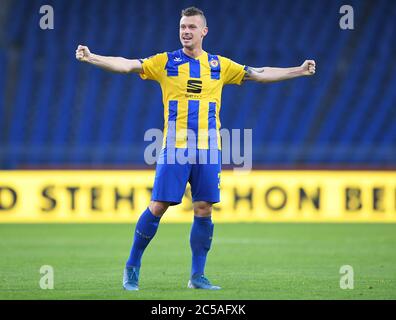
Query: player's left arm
[{"x": 270, "y": 74}]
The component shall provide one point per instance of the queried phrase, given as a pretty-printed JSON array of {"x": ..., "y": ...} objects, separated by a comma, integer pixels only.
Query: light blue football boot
[
  {"x": 130, "y": 281},
  {"x": 201, "y": 282}
]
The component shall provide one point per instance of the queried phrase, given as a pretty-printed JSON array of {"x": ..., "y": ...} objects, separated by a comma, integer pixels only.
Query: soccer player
[{"x": 191, "y": 81}]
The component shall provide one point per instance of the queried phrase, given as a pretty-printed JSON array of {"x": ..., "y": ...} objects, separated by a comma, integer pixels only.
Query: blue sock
[
  {"x": 145, "y": 230},
  {"x": 200, "y": 241}
]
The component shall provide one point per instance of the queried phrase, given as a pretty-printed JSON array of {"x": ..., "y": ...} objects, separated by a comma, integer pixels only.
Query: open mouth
[{"x": 187, "y": 38}]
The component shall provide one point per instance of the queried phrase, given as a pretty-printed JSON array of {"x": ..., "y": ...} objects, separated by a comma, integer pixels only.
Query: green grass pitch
[{"x": 249, "y": 260}]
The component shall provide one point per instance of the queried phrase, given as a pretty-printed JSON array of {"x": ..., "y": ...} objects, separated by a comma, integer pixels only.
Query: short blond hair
[{"x": 193, "y": 11}]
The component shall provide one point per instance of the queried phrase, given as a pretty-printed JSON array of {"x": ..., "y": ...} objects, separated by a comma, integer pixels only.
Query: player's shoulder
[
  {"x": 221, "y": 58},
  {"x": 223, "y": 61},
  {"x": 214, "y": 56},
  {"x": 228, "y": 62},
  {"x": 174, "y": 54},
  {"x": 156, "y": 56}
]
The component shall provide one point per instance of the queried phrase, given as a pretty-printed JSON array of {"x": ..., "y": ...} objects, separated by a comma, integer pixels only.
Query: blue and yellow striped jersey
[{"x": 191, "y": 90}]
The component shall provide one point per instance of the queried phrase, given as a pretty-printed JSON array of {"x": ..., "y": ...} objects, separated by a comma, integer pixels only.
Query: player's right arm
[{"x": 113, "y": 64}]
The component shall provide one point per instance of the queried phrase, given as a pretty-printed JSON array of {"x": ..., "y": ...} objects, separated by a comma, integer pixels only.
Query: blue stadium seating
[{"x": 57, "y": 112}]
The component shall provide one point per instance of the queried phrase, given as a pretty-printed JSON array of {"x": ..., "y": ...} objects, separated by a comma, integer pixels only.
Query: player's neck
[{"x": 193, "y": 53}]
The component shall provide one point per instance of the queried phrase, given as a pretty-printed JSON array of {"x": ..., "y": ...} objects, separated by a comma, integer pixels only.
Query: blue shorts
[{"x": 201, "y": 168}]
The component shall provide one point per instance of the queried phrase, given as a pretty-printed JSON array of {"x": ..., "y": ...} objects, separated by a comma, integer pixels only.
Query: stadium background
[
  {"x": 56, "y": 113},
  {"x": 71, "y": 150}
]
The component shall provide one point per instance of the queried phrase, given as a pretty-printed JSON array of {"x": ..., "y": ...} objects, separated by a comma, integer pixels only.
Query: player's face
[{"x": 192, "y": 31}]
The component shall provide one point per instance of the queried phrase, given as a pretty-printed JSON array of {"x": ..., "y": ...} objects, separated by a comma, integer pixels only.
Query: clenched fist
[
  {"x": 308, "y": 67},
  {"x": 82, "y": 53}
]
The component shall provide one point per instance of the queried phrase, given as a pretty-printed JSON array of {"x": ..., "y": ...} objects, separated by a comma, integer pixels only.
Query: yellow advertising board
[{"x": 265, "y": 196}]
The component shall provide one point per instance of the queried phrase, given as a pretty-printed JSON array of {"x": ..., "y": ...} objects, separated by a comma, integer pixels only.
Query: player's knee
[
  {"x": 202, "y": 209},
  {"x": 158, "y": 208}
]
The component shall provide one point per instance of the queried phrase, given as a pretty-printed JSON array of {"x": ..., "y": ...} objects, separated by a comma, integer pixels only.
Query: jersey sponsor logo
[
  {"x": 194, "y": 86},
  {"x": 177, "y": 59}
]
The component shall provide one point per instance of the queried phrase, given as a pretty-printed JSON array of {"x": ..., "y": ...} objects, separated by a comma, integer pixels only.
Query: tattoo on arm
[
  {"x": 250, "y": 71},
  {"x": 259, "y": 70}
]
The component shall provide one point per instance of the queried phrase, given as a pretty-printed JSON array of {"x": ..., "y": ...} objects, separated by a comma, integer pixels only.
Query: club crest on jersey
[{"x": 214, "y": 63}]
